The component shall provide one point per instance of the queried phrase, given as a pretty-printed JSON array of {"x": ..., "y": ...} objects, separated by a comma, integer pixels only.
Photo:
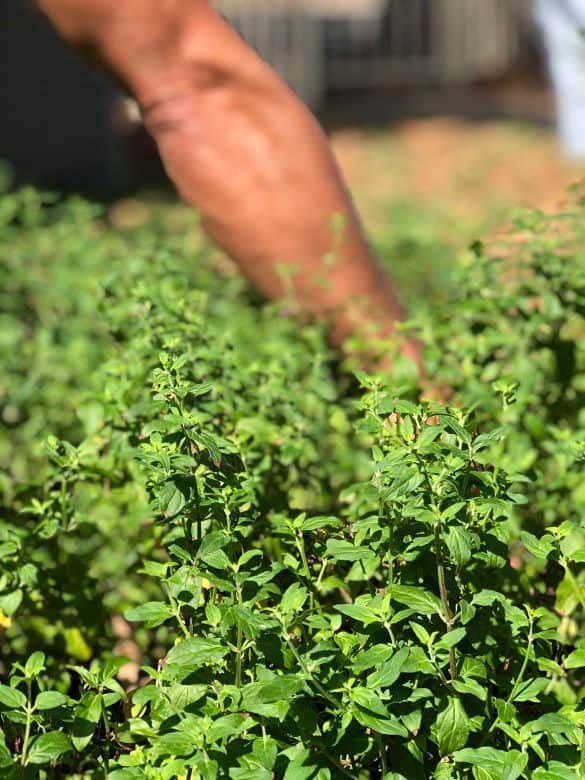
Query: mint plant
[
  {"x": 317, "y": 576},
  {"x": 519, "y": 325}
]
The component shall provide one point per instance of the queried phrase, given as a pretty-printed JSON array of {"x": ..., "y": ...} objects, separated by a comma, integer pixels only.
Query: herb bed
[{"x": 220, "y": 559}]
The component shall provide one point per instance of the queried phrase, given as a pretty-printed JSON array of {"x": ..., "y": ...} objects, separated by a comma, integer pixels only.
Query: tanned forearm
[{"x": 242, "y": 149}]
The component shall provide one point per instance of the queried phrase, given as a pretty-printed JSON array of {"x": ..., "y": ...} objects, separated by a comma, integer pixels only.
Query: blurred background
[{"x": 445, "y": 104}]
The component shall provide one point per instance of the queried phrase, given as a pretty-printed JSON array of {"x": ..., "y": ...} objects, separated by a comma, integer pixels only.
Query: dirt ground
[{"x": 472, "y": 171}]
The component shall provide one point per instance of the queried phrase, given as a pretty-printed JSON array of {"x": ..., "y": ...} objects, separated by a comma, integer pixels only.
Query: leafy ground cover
[{"x": 221, "y": 559}]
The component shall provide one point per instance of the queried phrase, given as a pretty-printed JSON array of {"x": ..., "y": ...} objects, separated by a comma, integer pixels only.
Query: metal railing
[
  {"x": 362, "y": 44},
  {"x": 286, "y": 36}
]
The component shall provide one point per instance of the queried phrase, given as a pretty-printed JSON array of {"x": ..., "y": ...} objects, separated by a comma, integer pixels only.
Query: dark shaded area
[{"x": 56, "y": 127}]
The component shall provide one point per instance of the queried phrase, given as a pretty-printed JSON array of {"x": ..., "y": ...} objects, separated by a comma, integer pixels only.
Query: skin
[{"x": 244, "y": 151}]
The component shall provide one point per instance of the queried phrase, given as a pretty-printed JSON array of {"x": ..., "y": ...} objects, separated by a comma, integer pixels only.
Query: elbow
[{"x": 208, "y": 68}]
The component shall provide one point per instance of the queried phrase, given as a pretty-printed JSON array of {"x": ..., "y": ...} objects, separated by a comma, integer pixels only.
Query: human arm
[{"x": 243, "y": 150}]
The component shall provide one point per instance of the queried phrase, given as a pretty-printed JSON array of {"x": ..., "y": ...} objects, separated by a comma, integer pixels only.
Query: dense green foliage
[
  {"x": 519, "y": 326},
  {"x": 311, "y": 589}
]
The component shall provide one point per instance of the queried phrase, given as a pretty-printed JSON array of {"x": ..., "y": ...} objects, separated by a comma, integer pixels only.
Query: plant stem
[
  {"x": 520, "y": 675},
  {"x": 382, "y": 752},
  {"x": 388, "y": 628},
  {"x": 239, "y": 657},
  {"x": 435, "y": 663},
  {"x": 518, "y": 679},
  {"x": 177, "y": 613},
  {"x": 239, "y": 643},
  {"x": 326, "y": 695},
  {"x": 321, "y": 573},
  {"x": 444, "y": 597},
  {"x": 24, "y": 756},
  {"x": 440, "y": 568},
  {"x": 300, "y": 541}
]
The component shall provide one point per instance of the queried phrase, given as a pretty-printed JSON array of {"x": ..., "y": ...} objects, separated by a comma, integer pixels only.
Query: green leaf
[
  {"x": 456, "y": 428},
  {"x": 216, "y": 559},
  {"x": 550, "y": 666},
  {"x": 539, "y": 548},
  {"x": 421, "y": 633},
  {"x": 153, "y": 613},
  {"x": 181, "y": 696},
  {"x": 372, "y": 713},
  {"x": 453, "y": 510},
  {"x": 530, "y": 690},
  {"x": 293, "y": 599},
  {"x": 301, "y": 766},
  {"x": 472, "y": 687},
  {"x": 250, "y": 555},
  {"x": 576, "y": 659},
  {"x": 487, "y": 597},
  {"x": 48, "y": 700},
  {"x": 151, "y": 693},
  {"x": 568, "y": 596},
  {"x": 459, "y": 543},
  {"x": 35, "y": 664},
  {"x": 340, "y": 550},
  {"x": 277, "y": 709},
  {"x": 318, "y": 523},
  {"x": 451, "y": 638},
  {"x": 473, "y": 667},
  {"x": 170, "y": 500},
  {"x": 282, "y": 687},
  {"x": 48, "y": 748},
  {"x": 553, "y": 723},
  {"x": 210, "y": 443},
  {"x": 418, "y": 662},
  {"x": 389, "y": 671},
  {"x": 11, "y": 698},
  {"x": 191, "y": 654},
  {"x": 467, "y": 612},
  {"x": 200, "y": 389},
  {"x": 87, "y": 716},
  {"x": 252, "y": 623},
  {"x": 373, "y": 656},
  {"x": 76, "y": 645},
  {"x": 7, "y": 549},
  {"x": 174, "y": 744},
  {"x": 422, "y": 601},
  {"x": 514, "y": 765},
  {"x": 452, "y": 727},
  {"x": 253, "y": 772},
  {"x": 227, "y": 726},
  {"x": 496, "y": 764},
  {"x": 6, "y": 757},
  {"x": 362, "y": 614},
  {"x": 10, "y": 602},
  {"x": 127, "y": 773},
  {"x": 369, "y": 700},
  {"x": 264, "y": 753},
  {"x": 506, "y": 711},
  {"x": 212, "y": 542},
  {"x": 155, "y": 569},
  {"x": 554, "y": 770},
  {"x": 390, "y": 726}
]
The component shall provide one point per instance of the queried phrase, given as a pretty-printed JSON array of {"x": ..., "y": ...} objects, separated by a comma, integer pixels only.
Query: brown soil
[{"x": 468, "y": 169}]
